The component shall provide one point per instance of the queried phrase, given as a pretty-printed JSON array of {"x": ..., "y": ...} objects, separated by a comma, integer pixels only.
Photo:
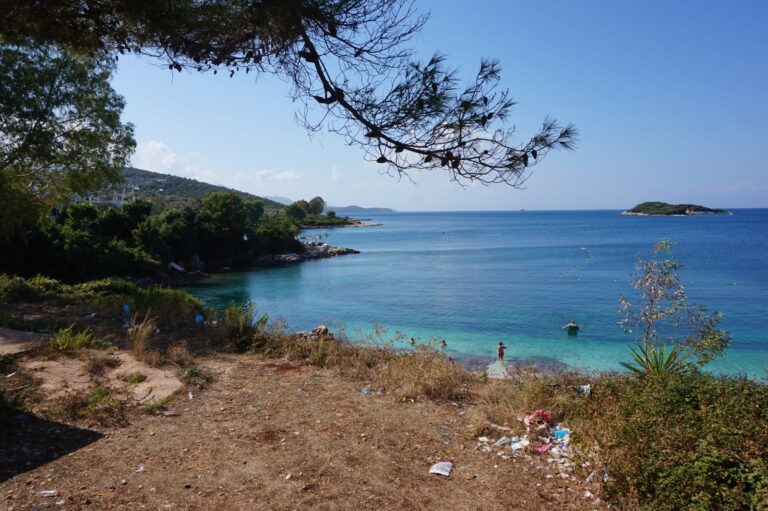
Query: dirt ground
[{"x": 273, "y": 435}]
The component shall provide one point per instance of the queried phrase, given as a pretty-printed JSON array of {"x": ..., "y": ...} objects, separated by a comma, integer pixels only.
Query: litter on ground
[{"x": 442, "y": 468}]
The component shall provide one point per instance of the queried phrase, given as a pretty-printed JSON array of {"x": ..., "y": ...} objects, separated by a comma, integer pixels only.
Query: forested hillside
[{"x": 166, "y": 191}]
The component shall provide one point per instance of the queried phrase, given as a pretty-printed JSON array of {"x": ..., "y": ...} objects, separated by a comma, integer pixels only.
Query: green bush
[
  {"x": 169, "y": 306},
  {"x": 157, "y": 405},
  {"x": 67, "y": 340},
  {"x": 241, "y": 328},
  {"x": 692, "y": 441},
  {"x": 136, "y": 378}
]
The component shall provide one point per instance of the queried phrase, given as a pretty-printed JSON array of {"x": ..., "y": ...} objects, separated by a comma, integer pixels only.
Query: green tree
[
  {"x": 295, "y": 211},
  {"x": 255, "y": 211},
  {"x": 223, "y": 227},
  {"x": 669, "y": 329},
  {"x": 60, "y": 129},
  {"x": 316, "y": 205},
  {"x": 351, "y": 59}
]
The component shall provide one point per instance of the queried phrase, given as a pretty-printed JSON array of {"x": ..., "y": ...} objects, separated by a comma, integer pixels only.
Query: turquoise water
[{"x": 479, "y": 277}]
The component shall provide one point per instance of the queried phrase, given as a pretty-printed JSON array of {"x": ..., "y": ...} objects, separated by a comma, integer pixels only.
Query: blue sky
[{"x": 669, "y": 97}]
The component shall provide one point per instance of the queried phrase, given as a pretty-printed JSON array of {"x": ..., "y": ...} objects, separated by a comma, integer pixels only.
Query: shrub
[
  {"x": 241, "y": 328},
  {"x": 196, "y": 377},
  {"x": 424, "y": 373},
  {"x": 99, "y": 404},
  {"x": 678, "y": 441},
  {"x": 67, "y": 339},
  {"x": 15, "y": 289},
  {"x": 157, "y": 405},
  {"x": 136, "y": 378},
  {"x": 170, "y": 306},
  {"x": 105, "y": 287},
  {"x": 138, "y": 335},
  {"x": 179, "y": 355}
]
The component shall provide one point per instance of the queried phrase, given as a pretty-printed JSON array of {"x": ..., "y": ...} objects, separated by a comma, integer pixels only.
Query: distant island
[{"x": 664, "y": 209}]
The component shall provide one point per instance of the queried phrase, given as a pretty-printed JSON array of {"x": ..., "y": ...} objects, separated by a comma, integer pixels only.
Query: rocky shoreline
[
  {"x": 353, "y": 223},
  {"x": 315, "y": 250}
]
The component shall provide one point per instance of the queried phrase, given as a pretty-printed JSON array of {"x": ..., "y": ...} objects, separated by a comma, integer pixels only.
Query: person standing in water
[
  {"x": 500, "y": 351},
  {"x": 443, "y": 344},
  {"x": 572, "y": 328}
]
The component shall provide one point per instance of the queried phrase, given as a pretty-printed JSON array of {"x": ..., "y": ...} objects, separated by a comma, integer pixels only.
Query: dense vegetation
[
  {"x": 60, "y": 129},
  {"x": 310, "y": 214},
  {"x": 82, "y": 241},
  {"x": 662, "y": 208},
  {"x": 165, "y": 191}
]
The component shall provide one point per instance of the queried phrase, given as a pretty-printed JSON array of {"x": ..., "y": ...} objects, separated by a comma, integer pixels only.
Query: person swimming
[{"x": 572, "y": 328}]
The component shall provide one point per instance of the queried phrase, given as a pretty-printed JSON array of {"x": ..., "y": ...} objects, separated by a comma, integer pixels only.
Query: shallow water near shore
[{"x": 476, "y": 278}]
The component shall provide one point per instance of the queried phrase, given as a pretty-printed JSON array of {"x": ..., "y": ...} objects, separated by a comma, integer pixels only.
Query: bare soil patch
[{"x": 268, "y": 435}]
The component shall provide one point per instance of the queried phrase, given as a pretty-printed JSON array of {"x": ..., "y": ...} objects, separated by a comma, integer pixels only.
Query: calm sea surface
[{"x": 476, "y": 278}]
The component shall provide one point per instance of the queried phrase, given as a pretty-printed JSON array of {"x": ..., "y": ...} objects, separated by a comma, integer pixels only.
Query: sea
[{"x": 477, "y": 278}]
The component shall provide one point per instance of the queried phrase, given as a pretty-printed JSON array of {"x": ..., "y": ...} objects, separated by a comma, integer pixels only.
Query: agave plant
[{"x": 657, "y": 361}]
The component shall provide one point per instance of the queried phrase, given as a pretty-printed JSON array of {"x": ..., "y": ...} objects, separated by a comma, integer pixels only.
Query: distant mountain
[
  {"x": 358, "y": 209},
  {"x": 167, "y": 191},
  {"x": 281, "y": 200}
]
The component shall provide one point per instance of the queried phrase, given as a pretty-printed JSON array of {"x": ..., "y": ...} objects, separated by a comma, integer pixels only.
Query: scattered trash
[
  {"x": 157, "y": 330},
  {"x": 140, "y": 470},
  {"x": 190, "y": 396},
  {"x": 484, "y": 439},
  {"x": 561, "y": 434},
  {"x": 48, "y": 493},
  {"x": 501, "y": 441},
  {"x": 288, "y": 476},
  {"x": 126, "y": 309},
  {"x": 442, "y": 468},
  {"x": 544, "y": 448},
  {"x": 366, "y": 392},
  {"x": 590, "y": 477},
  {"x": 92, "y": 315},
  {"x": 519, "y": 444},
  {"x": 536, "y": 416},
  {"x": 585, "y": 389},
  {"x": 588, "y": 494},
  {"x": 199, "y": 319},
  {"x": 10, "y": 375}
]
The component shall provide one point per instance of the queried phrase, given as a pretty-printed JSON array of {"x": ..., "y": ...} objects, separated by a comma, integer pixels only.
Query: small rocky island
[{"x": 664, "y": 209}]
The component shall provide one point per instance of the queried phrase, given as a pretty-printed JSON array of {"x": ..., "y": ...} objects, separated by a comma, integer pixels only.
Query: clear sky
[{"x": 670, "y": 97}]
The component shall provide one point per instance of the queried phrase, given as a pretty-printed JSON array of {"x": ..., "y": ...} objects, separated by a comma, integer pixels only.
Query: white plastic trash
[
  {"x": 520, "y": 444},
  {"x": 442, "y": 468},
  {"x": 501, "y": 441}
]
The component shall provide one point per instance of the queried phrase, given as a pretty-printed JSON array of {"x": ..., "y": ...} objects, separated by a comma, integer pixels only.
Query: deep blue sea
[{"x": 475, "y": 278}]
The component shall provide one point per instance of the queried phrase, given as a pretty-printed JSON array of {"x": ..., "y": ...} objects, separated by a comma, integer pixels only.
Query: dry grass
[
  {"x": 178, "y": 354},
  {"x": 425, "y": 374},
  {"x": 138, "y": 338},
  {"x": 99, "y": 405},
  {"x": 97, "y": 364}
]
